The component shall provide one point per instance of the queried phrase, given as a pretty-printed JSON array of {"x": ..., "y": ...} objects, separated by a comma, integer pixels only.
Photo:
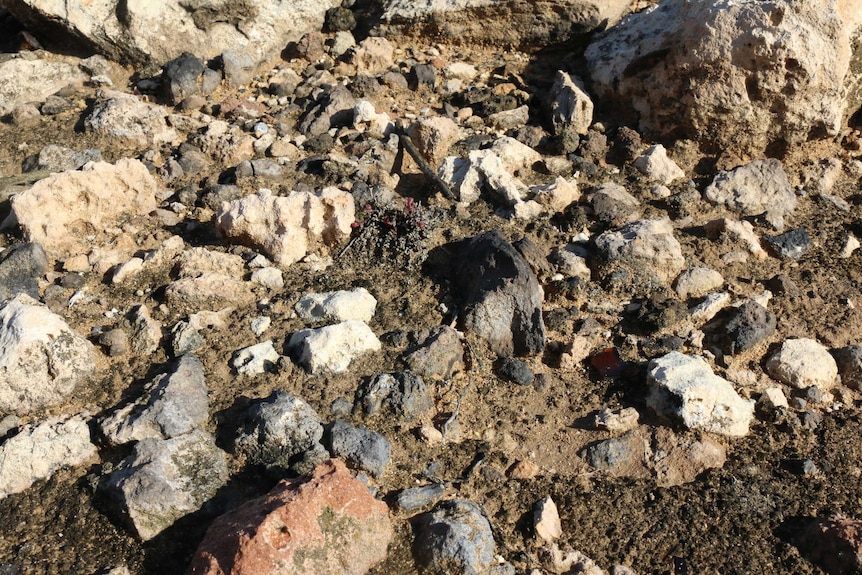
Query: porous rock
[
  {"x": 325, "y": 523},
  {"x": 803, "y": 363},
  {"x": 360, "y": 447},
  {"x": 748, "y": 325},
  {"x": 849, "y": 361},
  {"x": 31, "y": 79},
  {"x": 127, "y": 117},
  {"x": 455, "y": 537}
]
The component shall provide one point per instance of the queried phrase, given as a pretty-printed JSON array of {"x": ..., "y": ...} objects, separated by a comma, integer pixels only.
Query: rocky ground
[{"x": 495, "y": 288}]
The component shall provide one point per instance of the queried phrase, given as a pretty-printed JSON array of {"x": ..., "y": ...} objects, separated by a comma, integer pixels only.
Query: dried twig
[{"x": 426, "y": 168}]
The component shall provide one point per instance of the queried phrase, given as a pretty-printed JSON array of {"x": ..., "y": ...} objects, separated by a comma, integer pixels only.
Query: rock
[
  {"x": 145, "y": 333},
  {"x": 333, "y": 108},
  {"x": 834, "y": 543},
  {"x": 137, "y": 33},
  {"x": 556, "y": 196},
  {"x": 53, "y": 211},
  {"x": 255, "y": 359},
  {"x": 209, "y": 291},
  {"x": 325, "y": 523},
  {"x": 365, "y": 449},
  {"x": 422, "y": 75},
  {"x": 739, "y": 230},
  {"x": 768, "y": 75},
  {"x": 336, "y": 306},
  {"x": 333, "y": 347},
  {"x": 37, "y": 451},
  {"x": 803, "y": 363},
  {"x": 172, "y": 404},
  {"x": 546, "y": 520},
  {"x": 623, "y": 456},
  {"x": 645, "y": 248},
  {"x": 433, "y": 137},
  {"x": 413, "y": 498},
  {"x": 164, "y": 480},
  {"x": 365, "y": 115},
  {"x": 288, "y": 228},
  {"x": 508, "y": 23},
  {"x": 509, "y": 119},
  {"x": 613, "y": 205},
  {"x": 572, "y": 562},
  {"x": 483, "y": 169},
  {"x": 623, "y": 420},
  {"x": 747, "y": 325},
  {"x": 181, "y": 77},
  {"x": 54, "y": 158},
  {"x": 373, "y": 55},
  {"x": 127, "y": 117},
  {"x": 697, "y": 282},
  {"x": 849, "y": 361},
  {"x": 753, "y": 189},
  {"x": 403, "y": 395},
  {"x": 21, "y": 268},
  {"x": 238, "y": 67},
  {"x": 502, "y": 297},
  {"x": 41, "y": 358},
  {"x": 185, "y": 338},
  {"x": 655, "y": 165},
  {"x": 269, "y": 277},
  {"x": 25, "y": 80},
  {"x": 455, "y": 537},
  {"x": 677, "y": 460},
  {"x": 438, "y": 353},
  {"x": 117, "y": 342},
  {"x": 773, "y": 398},
  {"x": 515, "y": 370},
  {"x": 685, "y": 388},
  {"x": 793, "y": 244},
  {"x": 339, "y": 19},
  {"x": 571, "y": 106},
  {"x": 278, "y": 429}
]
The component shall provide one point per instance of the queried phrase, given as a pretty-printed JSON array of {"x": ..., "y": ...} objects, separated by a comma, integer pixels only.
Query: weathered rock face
[
  {"x": 326, "y": 523},
  {"x": 512, "y": 22},
  {"x": 136, "y": 31},
  {"x": 741, "y": 75},
  {"x": 646, "y": 249},
  {"x": 26, "y": 80},
  {"x": 41, "y": 358}
]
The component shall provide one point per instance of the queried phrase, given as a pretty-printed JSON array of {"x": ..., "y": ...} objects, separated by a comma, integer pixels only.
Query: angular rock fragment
[
  {"x": 748, "y": 325},
  {"x": 455, "y": 537},
  {"x": 414, "y": 498},
  {"x": 21, "y": 267},
  {"x": 697, "y": 282},
  {"x": 325, "y": 523},
  {"x": 612, "y": 204},
  {"x": 127, "y": 117},
  {"x": 803, "y": 363},
  {"x": 438, "y": 353},
  {"x": 41, "y": 358},
  {"x": 360, "y": 447},
  {"x": 793, "y": 244},
  {"x": 546, "y": 520},
  {"x": 356, "y": 304},
  {"x": 255, "y": 359},
  {"x": 571, "y": 106},
  {"x": 834, "y": 543},
  {"x": 753, "y": 189},
  {"x": 54, "y": 158},
  {"x": 401, "y": 394},
  {"x": 849, "y": 361},
  {"x": 655, "y": 165},
  {"x": 433, "y": 137},
  {"x": 647, "y": 249},
  {"x": 333, "y": 347},
  {"x": 181, "y": 77},
  {"x": 32, "y": 79}
]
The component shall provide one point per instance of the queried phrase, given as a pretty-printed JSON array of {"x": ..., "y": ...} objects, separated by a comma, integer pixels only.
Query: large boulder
[
  {"x": 136, "y": 30},
  {"x": 743, "y": 75}
]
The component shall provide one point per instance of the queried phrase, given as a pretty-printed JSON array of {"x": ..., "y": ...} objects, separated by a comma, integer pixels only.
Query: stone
[
  {"x": 42, "y": 359},
  {"x": 739, "y": 230},
  {"x": 570, "y": 105},
  {"x": 685, "y": 388},
  {"x": 277, "y": 430},
  {"x": 768, "y": 75},
  {"x": 39, "y": 450},
  {"x": 117, "y": 342},
  {"x": 255, "y": 359},
  {"x": 181, "y": 77},
  {"x": 209, "y": 291},
  {"x": 54, "y": 158},
  {"x": 793, "y": 244},
  {"x": 238, "y": 67},
  {"x": 747, "y": 326},
  {"x": 557, "y": 195},
  {"x": 849, "y": 362},
  {"x": 773, "y": 398},
  {"x": 164, "y": 480},
  {"x": 680, "y": 459},
  {"x": 483, "y": 169},
  {"x": 60, "y": 211},
  {"x": 365, "y": 115},
  {"x": 514, "y": 155},
  {"x": 502, "y": 299},
  {"x": 546, "y": 520},
  {"x": 145, "y": 333},
  {"x": 455, "y": 537},
  {"x": 803, "y": 363},
  {"x": 21, "y": 268},
  {"x": 697, "y": 282},
  {"x": 433, "y": 137},
  {"x": 374, "y": 55},
  {"x": 337, "y": 306},
  {"x": 515, "y": 370},
  {"x": 438, "y": 353},
  {"x": 136, "y": 34},
  {"x": 753, "y": 189},
  {"x": 287, "y": 228},
  {"x": 414, "y": 498},
  {"x": 339, "y": 19},
  {"x": 623, "y": 456},
  {"x": 25, "y": 80},
  {"x": 268, "y": 277},
  {"x": 422, "y": 75},
  {"x": 332, "y": 348},
  {"x": 655, "y": 165},
  {"x": 509, "y": 119},
  {"x": 646, "y": 248},
  {"x": 612, "y": 204},
  {"x": 171, "y": 405},
  {"x": 403, "y": 395},
  {"x": 126, "y": 117},
  {"x": 622, "y": 420},
  {"x": 834, "y": 543},
  {"x": 325, "y": 523},
  {"x": 360, "y": 447}
]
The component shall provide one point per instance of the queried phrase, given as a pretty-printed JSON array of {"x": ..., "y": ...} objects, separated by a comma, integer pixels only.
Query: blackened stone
[
  {"x": 310, "y": 46},
  {"x": 793, "y": 244},
  {"x": 661, "y": 312},
  {"x": 422, "y": 75},
  {"x": 748, "y": 325},
  {"x": 20, "y": 270},
  {"x": 73, "y": 280},
  {"x": 515, "y": 370},
  {"x": 180, "y": 77},
  {"x": 321, "y": 144},
  {"x": 654, "y": 347},
  {"x": 360, "y": 447},
  {"x": 849, "y": 360},
  {"x": 627, "y": 145},
  {"x": 535, "y": 256},
  {"x": 339, "y": 20},
  {"x": 782, "y": 285},
  {"x": 394, "y": 80},
  {"x": 594, "y": 146},
  {"x": 568, "y": 140},
  {"x": 364, "y": 86}
]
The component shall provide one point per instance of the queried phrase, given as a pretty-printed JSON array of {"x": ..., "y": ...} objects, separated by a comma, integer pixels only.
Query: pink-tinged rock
[
  {"x": 62, "y": 210},
  {"x": 325, "y": 523},
  {"x": 834, "y": 543}
]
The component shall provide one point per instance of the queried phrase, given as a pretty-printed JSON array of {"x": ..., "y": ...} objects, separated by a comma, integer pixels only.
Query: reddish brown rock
[
  {"x": 323, "y": 523},
  {"x": 834, "y": 543}
]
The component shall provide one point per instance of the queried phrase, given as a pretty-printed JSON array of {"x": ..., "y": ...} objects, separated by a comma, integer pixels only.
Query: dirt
[{"x": 735, "y": 520}]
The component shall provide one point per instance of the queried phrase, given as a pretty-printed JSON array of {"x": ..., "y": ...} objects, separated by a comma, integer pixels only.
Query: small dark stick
[{"x": 426, "y": 168}]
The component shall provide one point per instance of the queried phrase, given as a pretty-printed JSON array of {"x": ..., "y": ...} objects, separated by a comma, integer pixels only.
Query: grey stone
[
  {"x": 748, "y": 325},
  {"x": 612, "y": 204},
  {"x": 339, "y": 19},
  {"x": 181, "y": 77},
  {"x": 849, "y": 360},
  {"x": 455, "y": 537},
  {"x": 55, "y": 105},
  {"x": 413, "y": 498},
  {"x": 145, "y": 333},
  {"x": 54, "y": 158},
  {"x": 515, "y": 370},
  {"x": 619, "y": 454},
  {"x": 422, "y": 75},
  {"x": 172, "y": 404},
  {"x": 21, "y": 268},
  {"x": 438, "y": 353},
  {"x": 238, "y": 67},
  {"x": 117, "y": 342},
  {"x": 360, "y": 447},
  {"x": 501, "y": 295},
  {"x": 793, "y": 244},
  {"x": 164, "y": 480},
  {"x": 332, "y": 109},
  {"x": 185, "y": 338},
  {"x": 401, "y": 394},
  {"x": 278, "y": 429},
  {"x": 571, "y": 106},
  {"x": 758, "y": 187}
]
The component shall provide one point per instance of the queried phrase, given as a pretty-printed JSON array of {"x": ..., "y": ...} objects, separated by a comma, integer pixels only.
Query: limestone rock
[
  {"x": 208, "y": 291},
  {"x": 546, "y": 520},
  {"x": 655, "y": 165},
  {"x": 354, "y": 304},
  {"x": 325, "y": 523},
  {"x": 25, "y": 80},
  {"x": 41, "y": 358},
  {"x": 685, "y": 388},
  {"x": 62, "y": 209},
  {"x": 571, "y": 106},
  {"x": 755, "y": 188},
  {"x": 803, "y": 363},
  {"x": 127, "y": 117},
  {"x": 647, "y": 248},
  {"x": 255, "y": 359},
  {"x": 697, "y": 282},
  {"x": 333, "y": 347},
  {"x": 288, "y": 228},
  {"x": 433, "y": 137}
]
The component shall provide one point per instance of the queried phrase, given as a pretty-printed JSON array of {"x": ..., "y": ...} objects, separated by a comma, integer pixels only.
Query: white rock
[
  {"x": 373, "y": 55},
  {"x": 270, "y": 278},
  {"x": 546, "y": 520},
  {"x": 254, "y": 359},
  {"x": 27, "y": 80},
  {"x": 570, "y": 264},
  {"x": 127, "y": 117},
  {"x": 697, "y": 282},
  {"x": 655, "y": 164},
  {"x": 755, "y": 188},
  {"x": 41, "y": 358},
  {"x": 39, "y": 450},
  {"x": 851, "y": 245},
  {"x": 709, "y": 307},
  {"x": 337, "y": 306},
  {"x": 126, "y": 270},
  {"x": 803, "y": 363},
  {"x": 364, "y": 114},
  {"x": 332, "y": 348},
  {"x": 571, "y": 106},
  {"x": 288, "y": 228},
  {"x": 620, "y": 421},
  {"x": 685, "y": 388},
  {"x": 54, "y": 209},
  {"x": 527, "y": 211},
  {"x": 515, "y": 155},
  {"x": 460, "y": 70},
  {"x": 433, "y": 137},
  {"x": 260, "y": 324},
  {"x": 773, "y": 398},
  {"x": 740, "y": 230},
  {"x": 648, "y": 246},
  {"x": 197, "y": 261}
]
